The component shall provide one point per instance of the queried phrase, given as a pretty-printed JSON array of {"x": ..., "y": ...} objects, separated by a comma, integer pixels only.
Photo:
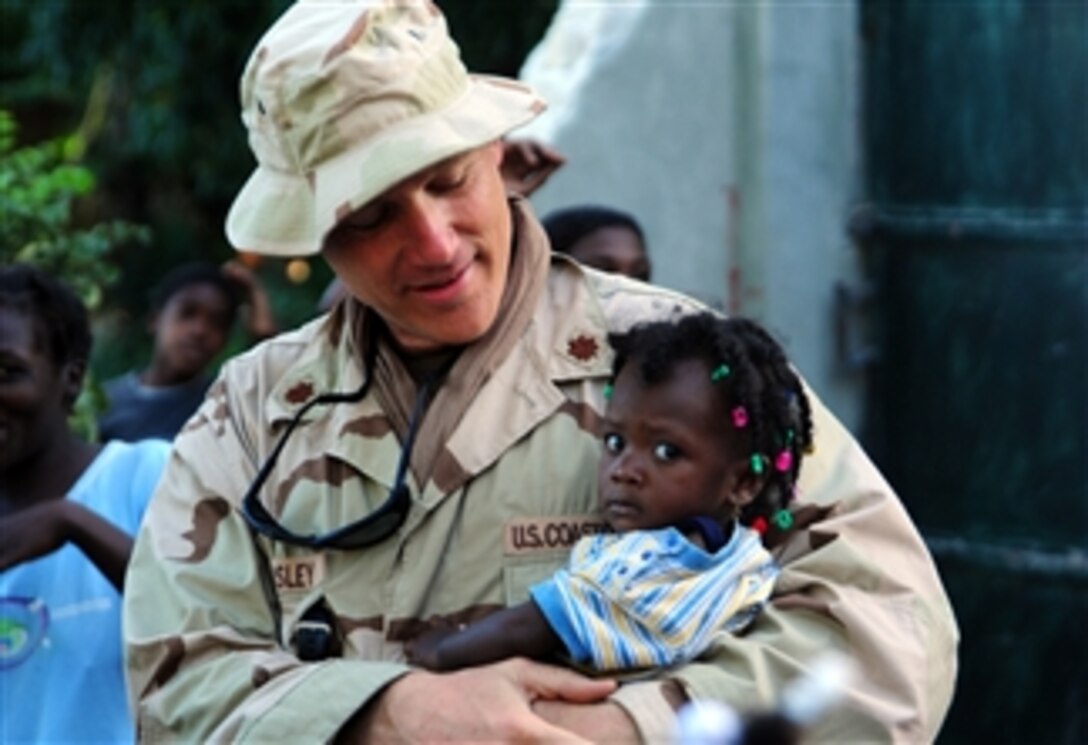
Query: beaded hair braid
[{"x": 764, "y": 400}]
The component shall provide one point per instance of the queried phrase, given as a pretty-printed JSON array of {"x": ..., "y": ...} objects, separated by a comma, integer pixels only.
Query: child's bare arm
[
  {"x": 40, "y": 530},
  {"x": 518, "y": 631}
]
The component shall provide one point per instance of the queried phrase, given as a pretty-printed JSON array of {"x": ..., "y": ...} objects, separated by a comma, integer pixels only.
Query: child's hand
[
  {"x": 34, "y": 532},
  {"x": 261, "y": 321},
  {"x": 424, "y": 650}
]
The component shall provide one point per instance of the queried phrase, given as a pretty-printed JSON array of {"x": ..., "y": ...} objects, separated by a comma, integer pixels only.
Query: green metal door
[{"x": 976, "y": 241}]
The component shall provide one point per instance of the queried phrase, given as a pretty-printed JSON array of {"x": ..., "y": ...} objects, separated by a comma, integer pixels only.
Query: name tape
[
  {"x": 548, "y": 534},
  {"x": 298, "y": 573}
]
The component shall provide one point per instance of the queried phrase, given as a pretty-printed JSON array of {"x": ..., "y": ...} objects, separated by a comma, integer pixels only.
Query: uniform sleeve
[
  {"x": 203, "y": 661},
  {"x": 150, "y": 461},
  {"x": 856, "y": 578}
]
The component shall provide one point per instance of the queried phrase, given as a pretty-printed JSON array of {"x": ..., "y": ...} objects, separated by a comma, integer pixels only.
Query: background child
[
  {"x": 703, "y": 437},
  {"x": 194, "y": 307},
  {"x": 601, "y": 237}
]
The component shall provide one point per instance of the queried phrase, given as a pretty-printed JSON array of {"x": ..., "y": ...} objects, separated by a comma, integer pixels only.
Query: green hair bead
[
  {"x": 757, "y": 463},
  {"x": 608, "y": 390},
  {"x": 719, "y": 373},
  {"x": 783, "y": 519}
]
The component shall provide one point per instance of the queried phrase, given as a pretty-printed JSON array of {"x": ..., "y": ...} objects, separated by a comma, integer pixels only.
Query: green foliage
[
  {"x": 38, "y": 189},
  {"x": 166, "y": 142}
]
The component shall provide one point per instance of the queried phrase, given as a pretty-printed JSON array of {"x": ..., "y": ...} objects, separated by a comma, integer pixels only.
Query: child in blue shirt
[{"x": 68, "y": 510}]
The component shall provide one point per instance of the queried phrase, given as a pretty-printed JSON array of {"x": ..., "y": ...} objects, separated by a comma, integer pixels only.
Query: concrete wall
[{"x": 730, "y": 129}]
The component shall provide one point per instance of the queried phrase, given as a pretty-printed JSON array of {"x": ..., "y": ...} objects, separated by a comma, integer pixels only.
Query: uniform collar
[
  {"x": 329, "y": 362},
  {"x": 575, "y": 328},
  {"x": 566, "y": 344}
]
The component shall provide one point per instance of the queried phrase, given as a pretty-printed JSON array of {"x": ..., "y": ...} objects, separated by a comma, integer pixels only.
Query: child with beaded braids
[{"x": 704, "y": 431}]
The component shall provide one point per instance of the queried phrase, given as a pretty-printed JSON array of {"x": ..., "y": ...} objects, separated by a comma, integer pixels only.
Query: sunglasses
[{"x": 368, "y": 530}]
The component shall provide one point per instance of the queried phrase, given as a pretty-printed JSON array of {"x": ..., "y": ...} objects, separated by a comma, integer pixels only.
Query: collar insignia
[
  {"x": 583, "y": 347},
  {"x": 300, "y": 392}
]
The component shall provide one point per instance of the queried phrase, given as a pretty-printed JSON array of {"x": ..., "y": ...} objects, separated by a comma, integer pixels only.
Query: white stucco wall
[{"x": 730, "y": 129}]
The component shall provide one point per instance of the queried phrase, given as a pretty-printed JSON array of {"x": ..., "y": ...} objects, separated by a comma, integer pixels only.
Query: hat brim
[{"x": 282, "y": 214}]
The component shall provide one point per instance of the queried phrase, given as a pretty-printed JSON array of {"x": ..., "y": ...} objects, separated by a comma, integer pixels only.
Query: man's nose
[{"x": 431, "y": 237}]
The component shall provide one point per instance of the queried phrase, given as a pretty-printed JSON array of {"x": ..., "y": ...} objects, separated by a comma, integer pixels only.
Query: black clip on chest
[{"x": 315, "y": 637}]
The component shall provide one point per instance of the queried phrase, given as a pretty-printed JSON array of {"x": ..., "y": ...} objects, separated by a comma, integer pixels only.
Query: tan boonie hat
[{"x": 345, "y": 98}]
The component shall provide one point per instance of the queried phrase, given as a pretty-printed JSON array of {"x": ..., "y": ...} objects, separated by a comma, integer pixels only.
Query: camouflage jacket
[{"x": 211, "y": 610}]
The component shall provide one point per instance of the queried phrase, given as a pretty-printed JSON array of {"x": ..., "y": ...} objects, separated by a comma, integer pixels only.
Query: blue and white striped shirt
[{"x": 652, "y": 598}]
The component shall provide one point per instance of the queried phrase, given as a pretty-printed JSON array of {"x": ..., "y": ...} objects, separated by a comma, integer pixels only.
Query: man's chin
[
  {"x": 453, "y": 333},
  {"x": 426, "y": 344}
]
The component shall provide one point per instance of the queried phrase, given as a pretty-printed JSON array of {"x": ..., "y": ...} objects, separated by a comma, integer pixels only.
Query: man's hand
[
  {"x": 600, "y": 722},
  {"x": 605, "y": 721},
  {"x": 527, "y": 164},
  {"x": 491, "y": 703}
]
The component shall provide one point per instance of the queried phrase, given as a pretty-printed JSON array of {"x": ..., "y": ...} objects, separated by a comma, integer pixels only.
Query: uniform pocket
[{"x": 518, "y": 578}]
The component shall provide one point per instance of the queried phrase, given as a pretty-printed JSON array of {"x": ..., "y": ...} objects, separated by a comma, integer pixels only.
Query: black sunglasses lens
[
  {"x": 379, "y": 525},
  {"x": 377, "y": 530}
]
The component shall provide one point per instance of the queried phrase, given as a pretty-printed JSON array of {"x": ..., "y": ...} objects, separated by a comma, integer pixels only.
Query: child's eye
[
  {"x": 666, "y": 451},
  {"x": 613, "y": 443}
]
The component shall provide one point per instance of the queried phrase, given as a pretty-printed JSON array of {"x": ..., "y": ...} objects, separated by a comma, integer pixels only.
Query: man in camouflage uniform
[{"x": 271, "y": 588}]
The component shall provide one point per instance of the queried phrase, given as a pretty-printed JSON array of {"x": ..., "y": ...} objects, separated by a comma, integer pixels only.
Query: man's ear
[{"x": 498, "y": 152}]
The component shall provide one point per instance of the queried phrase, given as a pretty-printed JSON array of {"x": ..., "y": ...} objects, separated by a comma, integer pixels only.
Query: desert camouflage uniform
[{"x": 211, "y": 611}]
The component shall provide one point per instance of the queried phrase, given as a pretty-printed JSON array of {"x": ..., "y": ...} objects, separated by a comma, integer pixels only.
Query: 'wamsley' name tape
[{"x": 298, "y": 573}]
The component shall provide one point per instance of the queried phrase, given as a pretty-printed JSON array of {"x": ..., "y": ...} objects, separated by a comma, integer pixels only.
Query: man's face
[
  {"x": 431, "y": 254},
  {"x": 667, "y": 452}
]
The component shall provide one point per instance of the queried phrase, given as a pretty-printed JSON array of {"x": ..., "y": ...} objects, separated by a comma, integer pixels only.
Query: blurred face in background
[
  {"x": 190, "y": 330},
  {"x": 615, "y": 249}
]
